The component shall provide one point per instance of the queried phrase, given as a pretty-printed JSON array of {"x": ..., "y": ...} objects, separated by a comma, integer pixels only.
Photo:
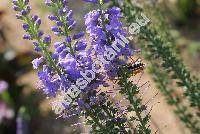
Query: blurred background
[{"x": 25, "y": 110}]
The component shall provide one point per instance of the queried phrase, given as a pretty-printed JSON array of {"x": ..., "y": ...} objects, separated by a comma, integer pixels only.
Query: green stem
[
  {"x": 130, "y": 90},
  {"x": 135, "y": 106}
]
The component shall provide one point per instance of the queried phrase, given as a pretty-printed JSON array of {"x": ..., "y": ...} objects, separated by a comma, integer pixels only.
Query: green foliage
[
  {"x": 159, "y": 50},
  {"x": 163, "y": 82},
  {"x": 104, "y": 118},
  {"x": 130, "y": 90}
]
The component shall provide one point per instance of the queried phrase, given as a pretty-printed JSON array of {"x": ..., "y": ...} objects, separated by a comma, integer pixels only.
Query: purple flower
[
  {"x": 91, "y": 1},
  {"x": 68, "y": 39},
  {"x": 16, "y": 8},
  {"x": 82, "y": 104},
  {"x": 81, "y": 45},
  {"x": 96, "y": 1},
  {"x": 26, "y": 37},
  {"x": 3, "y": 86},
  {"x": 78, "y": 35},
  {"x": 50, "y": 82},
  {"x": 34, "y": 18},
  {"x": 53, "y": 18},
  {"x": 47, "y": 39},
  {"x": 25, "y": 26},
  {"x": 59, "y": 23},
  {"x": 5, "y": 112},
  {"x": 40, "y": 33},
  {"x": 70, "y": 65},
  {"x": 48, "y": 2},
  {"x": 103, "y": 31},
  {"x": 38, "y": 22},
  {"x": 36, "y": 62}
]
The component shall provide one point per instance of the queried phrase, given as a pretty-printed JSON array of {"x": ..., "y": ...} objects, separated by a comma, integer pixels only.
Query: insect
[{"x": 136, "y": 66}]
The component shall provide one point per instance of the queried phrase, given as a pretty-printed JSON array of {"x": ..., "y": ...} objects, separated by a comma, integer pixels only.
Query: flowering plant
[{"x": 77, "y": 70}]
